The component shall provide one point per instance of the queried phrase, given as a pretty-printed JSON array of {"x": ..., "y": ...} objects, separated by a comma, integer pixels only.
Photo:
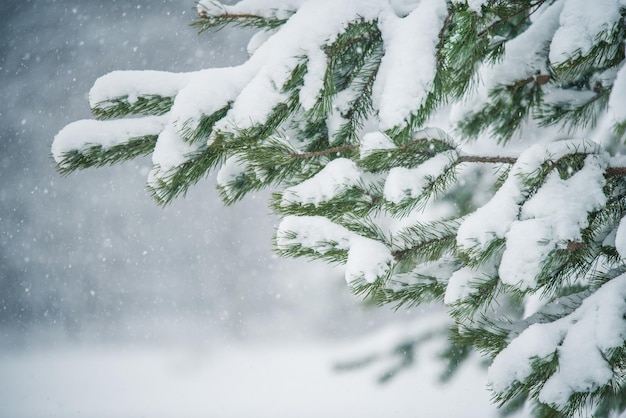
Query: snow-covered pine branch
[{"x": 463, "y": 152}]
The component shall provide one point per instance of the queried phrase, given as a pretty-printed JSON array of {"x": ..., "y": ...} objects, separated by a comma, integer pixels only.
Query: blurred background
[{"x": 113, "y": 306}]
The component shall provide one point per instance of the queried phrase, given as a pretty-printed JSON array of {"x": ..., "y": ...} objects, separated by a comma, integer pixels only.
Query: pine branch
[
  {"x": 98, "y": 156},
  {"x": 542, "y": 369},
  {"x": 428, "y": 250},
  {"x": 404, "y": 150},
  {"x": 488, "y": 160},
  {"x": 123, "y": 106},
  {"x": 434, "y": 187},
  {"x": 573, "y": 116},
  {"x": 333, "y": 255},
  {"x": 421, "y": 291},
  {"x": 177, "y": 181},
  {"x": 204, "y": 129},
  {"x": 243, "y": 20},
  {"x": 483, "y": 294},
  {"x": 353, "y": 201},
  {"x": 329, "y": 151},
  {"x": 509, "y": 13},
  {"x": 488, "y": 336},
  {"x": 408, "y": 154},
  {"x": 507, "y": 108},
  {"x": 361, "y": 106}
]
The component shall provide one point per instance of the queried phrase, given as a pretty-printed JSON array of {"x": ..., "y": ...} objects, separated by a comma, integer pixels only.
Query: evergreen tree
[{"x": 465, "y": 152}]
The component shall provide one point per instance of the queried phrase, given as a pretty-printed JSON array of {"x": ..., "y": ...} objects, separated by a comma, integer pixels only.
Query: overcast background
[
  {"x": 94, "y": 276},
  {"x": 91, "y": 255}
]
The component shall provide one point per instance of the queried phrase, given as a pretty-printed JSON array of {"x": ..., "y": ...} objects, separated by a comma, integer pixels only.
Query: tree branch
[
  {"x": 328, "y": 151},
  {"x": 615, "y": 171},
  {"x": 399, "y": 254},
  {"x": 500, "y": 21},
  {"x": 610, "y": 171},
  {"x": 539, "y": 79},
  {"x": 443, "y": 32},
  {"x": 233, "y": 16},
  {"x": 480, "y": 159}
]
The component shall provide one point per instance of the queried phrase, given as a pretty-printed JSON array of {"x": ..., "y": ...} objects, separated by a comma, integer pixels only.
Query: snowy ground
[{"x": 226, "y": 381}]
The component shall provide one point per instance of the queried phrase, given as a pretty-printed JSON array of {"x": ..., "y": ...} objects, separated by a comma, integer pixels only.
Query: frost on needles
[{"x": 460, "y": 152}]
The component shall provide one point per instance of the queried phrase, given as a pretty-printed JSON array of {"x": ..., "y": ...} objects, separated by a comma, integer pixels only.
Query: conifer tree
[{"x": 466, "y": 152}]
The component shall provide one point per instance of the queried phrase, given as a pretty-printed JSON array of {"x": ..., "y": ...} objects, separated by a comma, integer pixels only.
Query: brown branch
[
  {"x": 615, "y": 171},
  {"x": 574, "y": 245},
  {"x": 205, "y": 15},
  {"x": 355, "y": 146},
  {"x": 333, "y": 150},
  {"x": 411, "y": 143},
  {"x": 479, "y": 159},
  {"x": 442, "y": 34},
  {"x": 610, "y": 171},
  {"x": 539, "y": 80}
]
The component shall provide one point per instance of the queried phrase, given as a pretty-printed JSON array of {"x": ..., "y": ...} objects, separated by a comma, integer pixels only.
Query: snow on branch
[
  {"x": 87, "y": 143},
  {"x": 366, "y": 259},
  {"x": 405, "y": 80},
  {"x": 595, "y": 332},
  {"x": 494, "y": 220},
  {"x": 334, "y": 179},
  {"x": 551, "y": 219}
]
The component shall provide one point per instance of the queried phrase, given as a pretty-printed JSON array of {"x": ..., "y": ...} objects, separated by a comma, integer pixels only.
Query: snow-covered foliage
[{"x": 376, "y": 123}]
